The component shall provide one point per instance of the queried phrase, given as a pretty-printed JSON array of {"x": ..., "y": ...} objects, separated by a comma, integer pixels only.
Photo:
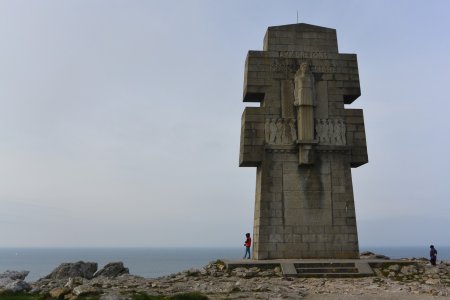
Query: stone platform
[{"x": 326, "y": 268}]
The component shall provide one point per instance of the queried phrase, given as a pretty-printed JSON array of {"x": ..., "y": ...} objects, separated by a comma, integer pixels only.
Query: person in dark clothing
[
  {"x": 433, "y": 255},
  {"x": 247, "y": 244}
]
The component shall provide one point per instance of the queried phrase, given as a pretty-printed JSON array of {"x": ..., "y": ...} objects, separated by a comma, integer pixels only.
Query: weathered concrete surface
[{"x": 303, "y": 143}]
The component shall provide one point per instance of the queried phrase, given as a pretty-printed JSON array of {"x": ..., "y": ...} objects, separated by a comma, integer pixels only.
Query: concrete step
[
  {"x": 326, "y": 265},
  {"x": 326, "y": 270},
  {"x": 304, "y": 269},
  {"x": 330, "y": 275}
]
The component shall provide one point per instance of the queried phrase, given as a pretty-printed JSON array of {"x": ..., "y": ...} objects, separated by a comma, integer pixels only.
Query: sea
[{"x": 154, "y": 262}]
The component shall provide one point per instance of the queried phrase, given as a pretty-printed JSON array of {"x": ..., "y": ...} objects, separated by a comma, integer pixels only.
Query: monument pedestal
[{"x": 324, "y": 268}]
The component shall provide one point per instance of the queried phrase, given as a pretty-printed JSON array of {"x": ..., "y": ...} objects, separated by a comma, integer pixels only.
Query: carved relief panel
[
  {"x": 331, "y": 131},
  {"x": 280, "y": 131}
]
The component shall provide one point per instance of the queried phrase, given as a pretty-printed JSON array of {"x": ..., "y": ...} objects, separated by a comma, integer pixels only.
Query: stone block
[
  {"x": 291, "y": 181},
  {"x": 276, "y": 238},
  {"x": 338, "y": 189},
  {"x": 324, "y": 238},
  {"x": 290, "y": 167},
  {"x": 276, "y": 221},
  {"x": 309, "y": 238},
  {"x": 291, "y": 200},
  {"x": 317, "y": 229}
]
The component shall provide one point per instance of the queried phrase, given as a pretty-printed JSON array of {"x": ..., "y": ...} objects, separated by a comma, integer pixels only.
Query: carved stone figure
[
  {"x": 267, "y": 130},
  {"x": 279, "y": 132},
  {"x": 337, "y": 132},
  {"x": 331, "y": 132},
  {"x": 286, "y": 133},
  {"x": 293, "y": 131},
  {"x": 304, "y": 102},
  {"x": 343, "y": 133},
  {"x": 320, "y": 131},
  {"x": 329, "y": 124},
  {"x": 273, "y": 131}
]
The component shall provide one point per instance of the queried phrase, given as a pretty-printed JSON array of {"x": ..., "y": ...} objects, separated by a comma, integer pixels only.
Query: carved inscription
[
  {"x": 331, "y": 131},
  {"x": 303, "y": 54},
  {"x": 280, "y": 131},
  {"x": 284, "y": 67},
  {"x": 328, "y": 68}
]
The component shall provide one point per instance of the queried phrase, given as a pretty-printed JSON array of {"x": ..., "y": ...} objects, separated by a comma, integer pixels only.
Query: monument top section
[
  {"x": 301, "y": 37},
  {"x": 286, "y": 47}
]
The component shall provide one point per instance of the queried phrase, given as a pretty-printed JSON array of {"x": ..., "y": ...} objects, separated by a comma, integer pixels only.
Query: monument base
[{"x": 326, "y": 268}]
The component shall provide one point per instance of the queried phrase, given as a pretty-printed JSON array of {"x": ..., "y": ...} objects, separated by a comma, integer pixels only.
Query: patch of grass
[
  {"x": 26, "y": 296},
  {"x": 20, "y": 296},
  {"x": 189, "y": 296},
  {"x": 182, "y": 296},
  {"x": 96, "y": 297},
  {"x": 147, "y": 297}
]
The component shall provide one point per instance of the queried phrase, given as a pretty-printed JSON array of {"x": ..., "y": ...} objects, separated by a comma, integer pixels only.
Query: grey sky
[{"x": 120, "y": 120}]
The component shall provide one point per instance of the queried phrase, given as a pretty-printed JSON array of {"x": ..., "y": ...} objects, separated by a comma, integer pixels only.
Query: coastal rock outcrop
[
  {"x": 17, "y": 286},
  {"x": 79, "y": 269},
  {"x": 407, "y": 279},
  {"x": 14, "y": 281},
  {"x": 112, "y": 269},
  {"x": 14, "y": 275}
]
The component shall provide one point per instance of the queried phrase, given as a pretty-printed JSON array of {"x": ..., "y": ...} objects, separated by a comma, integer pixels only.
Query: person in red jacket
[{"x": 247, "y": 244}]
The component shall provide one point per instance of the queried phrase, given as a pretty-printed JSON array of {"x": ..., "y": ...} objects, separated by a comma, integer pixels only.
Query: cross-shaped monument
[{"x": 303, "y": 142}]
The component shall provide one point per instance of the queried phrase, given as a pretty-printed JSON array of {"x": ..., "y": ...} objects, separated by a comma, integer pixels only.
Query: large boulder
[
  {"x": 13, "y": 281},
  {"x": 78, "y": 269},
  {"x": 371, "y": 255},
  {"x": 112, "y": 270},
  {"x": 86, "y": 290},
  {"x": 14, "y": 275},
  {"x": 17, "y": 286}
]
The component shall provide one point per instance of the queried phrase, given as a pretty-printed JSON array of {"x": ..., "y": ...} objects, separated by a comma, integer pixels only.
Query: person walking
[
  {"x": 433, "y": 255},
  {"x": 247, "y": 244}
]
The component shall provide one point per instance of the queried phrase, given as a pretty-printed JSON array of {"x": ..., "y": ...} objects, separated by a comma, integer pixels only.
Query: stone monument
[{"x": 303, "y": 142}]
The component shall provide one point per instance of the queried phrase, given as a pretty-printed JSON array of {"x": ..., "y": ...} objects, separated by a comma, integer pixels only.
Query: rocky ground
[{"x": 418, "y": 280}]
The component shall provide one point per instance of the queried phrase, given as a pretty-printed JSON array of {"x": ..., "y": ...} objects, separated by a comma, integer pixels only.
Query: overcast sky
[{"x": 120, "y": 120}]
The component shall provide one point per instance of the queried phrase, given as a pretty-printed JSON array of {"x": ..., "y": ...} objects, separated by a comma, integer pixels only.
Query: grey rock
[
  {"x": 113, "y": 297},
  {"x": 394, "y": 268},
  {"x": 57, "y": 293},
  {"x": 366, "y": 253},
  {"x": 112, "y": 270},
  {"x": 17, "y": 286},
  {"x": 86, "y": 290},
  {"x": 14, "y": 275},
  {"x": 408, "y": 270},
  {"x": 78, "y": 269},
  {"x": 73, "y": 282},
  {"x": 430, "y": 270},
  {"x": 9, "y": 279},
  {"x": 5, "y": 281},
  {"x": 371, "y": 255}
]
